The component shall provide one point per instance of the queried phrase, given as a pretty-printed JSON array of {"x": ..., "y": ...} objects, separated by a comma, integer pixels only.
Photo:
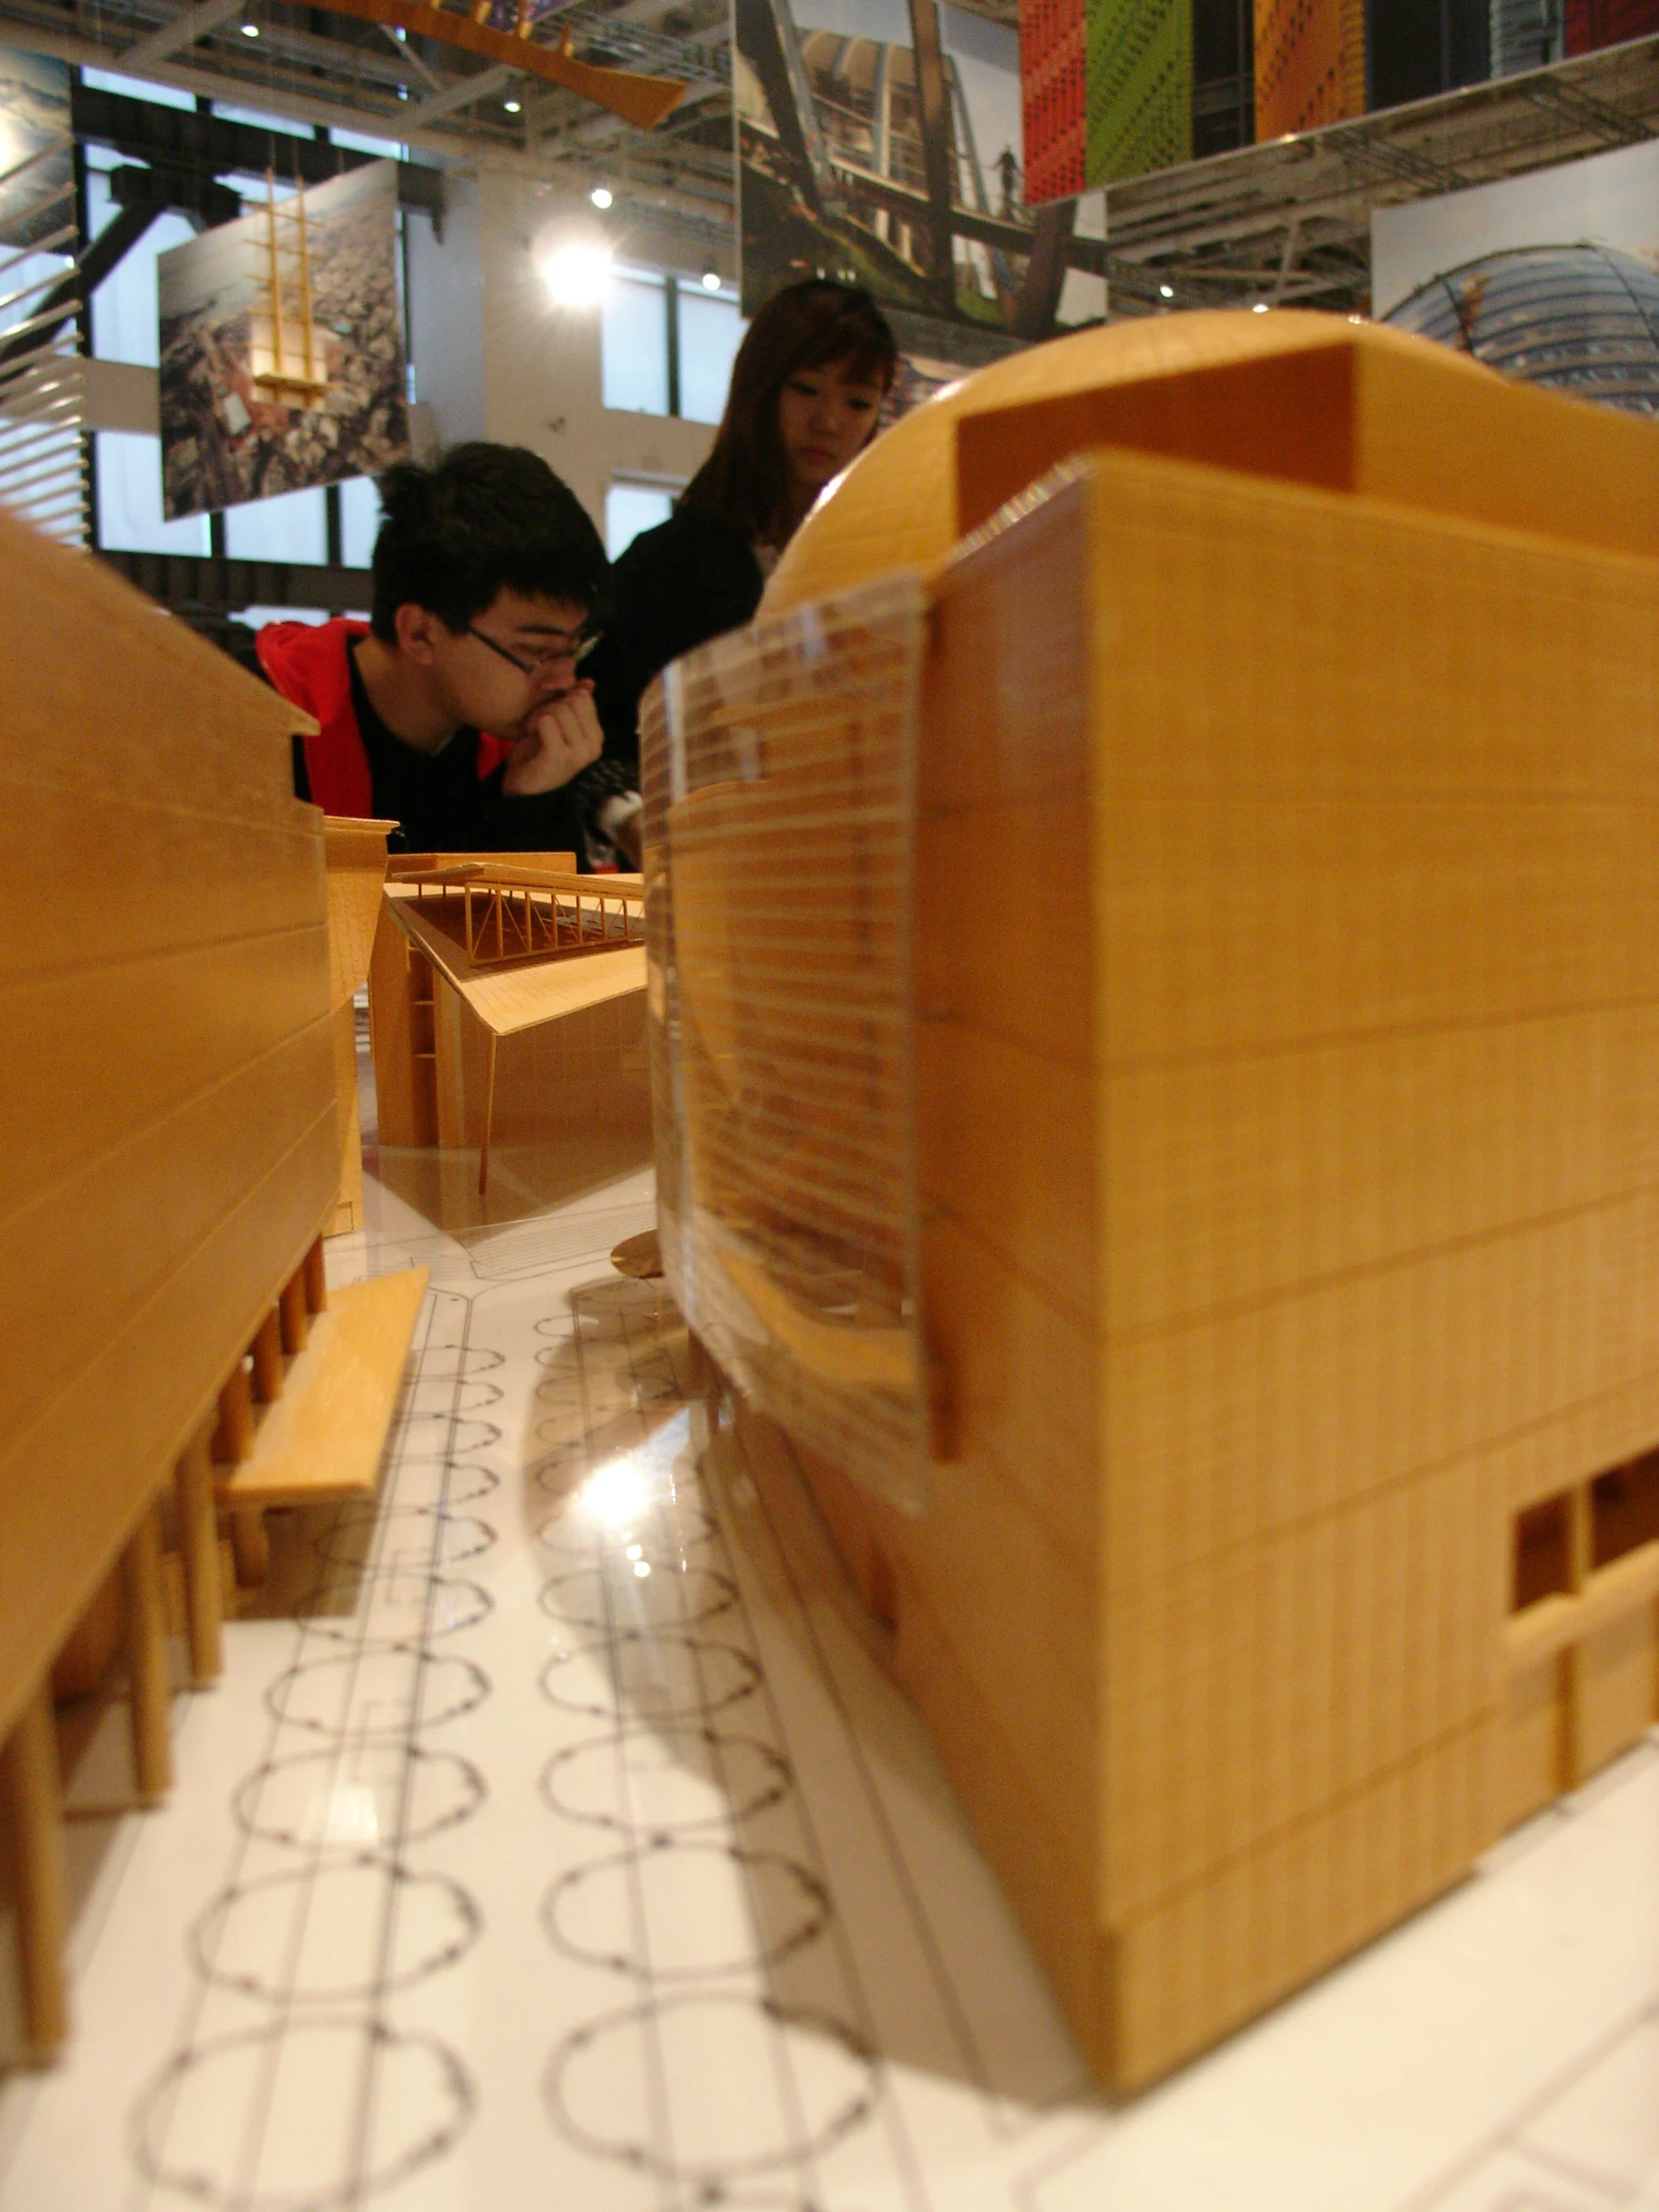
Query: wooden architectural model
[
  {"x": 1178, "y": 1164},
  {"x": 170, "y": 1155},
  {"x": 356, "y": 853},
  {"x": 477, "y": 951}
]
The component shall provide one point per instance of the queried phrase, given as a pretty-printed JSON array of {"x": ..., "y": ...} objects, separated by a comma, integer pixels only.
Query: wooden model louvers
[{"x": 1279, "y": 1033}]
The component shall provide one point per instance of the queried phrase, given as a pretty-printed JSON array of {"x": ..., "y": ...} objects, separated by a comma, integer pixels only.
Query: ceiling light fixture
[
  {"x": 577, "y": 273},
  {"x": 711, "y": 275},
  {"x": 249, "y": 29},
  {"x": 1166, "y": 291},
  {"x": 511, "y": 106},
  {"x": 1261, "y": 308},
  {"x": 600, "y": 196}
]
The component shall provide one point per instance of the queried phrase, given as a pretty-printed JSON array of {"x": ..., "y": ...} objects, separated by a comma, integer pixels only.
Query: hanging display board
[
  {"x": 34, "y": 151},
  {"x": 282, "y": 349},
  {"x": 880, "y": 143}
]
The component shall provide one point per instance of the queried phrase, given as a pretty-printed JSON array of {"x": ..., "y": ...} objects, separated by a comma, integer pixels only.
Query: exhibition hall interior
[{"x": 830, "y": 1146}]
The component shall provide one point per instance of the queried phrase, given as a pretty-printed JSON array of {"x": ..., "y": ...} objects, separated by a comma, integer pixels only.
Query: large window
[
  {"x": 711, "y": 330},
  {"x": 123, "y": 306},
  {"x": 261, "y": 119},
  {"x": 359, "y": 520},
  {"x": 634, "y": 345},
  {"x": 137, "y": 88},
  {"x": 631, "y": 508},
  {"x": 667, "y": 347},
  {"x": 291, "y": 527},
  {"x": 129, "y": 469},
  {"x": 124, "y": 329}
]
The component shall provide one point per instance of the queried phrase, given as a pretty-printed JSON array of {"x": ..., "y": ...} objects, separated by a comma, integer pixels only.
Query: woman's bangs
[{"x": 863, "y": 356}]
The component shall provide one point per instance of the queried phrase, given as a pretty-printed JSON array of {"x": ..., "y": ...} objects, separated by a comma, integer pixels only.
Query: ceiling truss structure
[{"x": 1286, "y": 222}]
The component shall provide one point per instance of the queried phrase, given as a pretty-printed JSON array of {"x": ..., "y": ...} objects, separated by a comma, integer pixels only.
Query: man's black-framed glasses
[{"x": 573, "y": 645}]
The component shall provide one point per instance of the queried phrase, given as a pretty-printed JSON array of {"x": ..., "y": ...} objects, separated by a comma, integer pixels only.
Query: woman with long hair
[{"x": 805, "y": 401}]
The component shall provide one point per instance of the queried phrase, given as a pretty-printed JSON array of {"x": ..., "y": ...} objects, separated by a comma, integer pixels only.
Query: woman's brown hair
[{"x": 816, "y": 324}]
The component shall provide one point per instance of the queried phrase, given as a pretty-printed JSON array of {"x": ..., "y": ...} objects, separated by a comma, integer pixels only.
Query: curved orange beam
[{"x": 642, "y": 101}]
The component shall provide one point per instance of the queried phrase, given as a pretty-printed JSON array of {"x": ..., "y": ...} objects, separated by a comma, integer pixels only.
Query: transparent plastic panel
[{"x": 778, "y": 781}]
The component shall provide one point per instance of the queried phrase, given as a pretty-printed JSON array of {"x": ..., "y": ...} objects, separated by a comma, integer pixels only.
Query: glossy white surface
[{"x": 570, "y": 1851}]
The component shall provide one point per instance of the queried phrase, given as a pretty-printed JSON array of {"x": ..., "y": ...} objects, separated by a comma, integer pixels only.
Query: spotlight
[
  {"x": 600, "y": 196},
  {"x": 711, "y": 275},
  {"x": 1166, "y": 291},
  {"x": 511, "y": 106},
  {"x": 249, "y": 29},
  {"x": 576, "y": 273},
  {"x": 1261, "y": 308}
]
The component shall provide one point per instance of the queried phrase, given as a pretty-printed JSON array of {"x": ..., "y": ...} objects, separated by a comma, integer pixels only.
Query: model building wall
[
  {"x": 1311, "y": 398},
  {"x": 1369, "y": 1086},
  {"x": 1287, "y": 1149},
  {"x": 169, "y": 1149}
]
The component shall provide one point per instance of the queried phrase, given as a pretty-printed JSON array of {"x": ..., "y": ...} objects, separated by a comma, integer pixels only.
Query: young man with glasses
[{"x": 459, "y": 709}]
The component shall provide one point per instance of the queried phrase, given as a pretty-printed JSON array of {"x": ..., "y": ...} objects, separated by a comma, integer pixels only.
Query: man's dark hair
[{"x": 485, "y": 518}]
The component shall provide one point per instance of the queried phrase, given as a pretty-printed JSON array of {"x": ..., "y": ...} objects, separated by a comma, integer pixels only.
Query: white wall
[
  {"x": 1605, "y": 200},
  {"x": 446, "y": 312},
  {"x": 541, "y": 363}
]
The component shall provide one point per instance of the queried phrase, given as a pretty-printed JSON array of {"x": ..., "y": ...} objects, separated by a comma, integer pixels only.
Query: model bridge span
[{"x": 498, "y": 912}]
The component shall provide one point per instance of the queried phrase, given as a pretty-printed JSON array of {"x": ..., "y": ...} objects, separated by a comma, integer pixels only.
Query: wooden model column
[{"x": 32, "y": 1817}]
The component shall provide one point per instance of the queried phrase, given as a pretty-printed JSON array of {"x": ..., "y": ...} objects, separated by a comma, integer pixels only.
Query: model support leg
[
  {"x": 199, "y": 1539},
  {"x": 268, "y": 1360},
  {"x": 147, "y": 1668},
  {"x": 316, "y": 1280},
  {"x": 31, "y": 1804},
  {"x": 234, "y": 1437},
  {"x": 290, "y": 1308},
  {"x": 249, "y": 1545},
  {"x": 489, "y": 1114}
]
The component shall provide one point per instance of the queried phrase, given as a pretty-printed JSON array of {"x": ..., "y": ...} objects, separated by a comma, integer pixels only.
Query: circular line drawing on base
[
  {"x": 324, "y": 2074},
  {"x": 716, "y": 2068},
  {"x": 442, "y": 1436},
  {"x": 449, "y": 1362},
  {"x": 667, "y": 1528},
  {"x": 438, "y": 1396},
  {"x": 652, "y": 1676},
  {"x": 407, "y": 1603},
  {"x": 441, "y": 1539},
  {"x": 376, "y": 1692},
  {"x": 676, "y": 1910},
  {"x": 350, "y": 1801},
  {"x": 443, "y": 1484},
  {"x": 663, "y": 1781},
  {"x": 669, "y": 1594},
  {"x": 315, "y": 1932}
]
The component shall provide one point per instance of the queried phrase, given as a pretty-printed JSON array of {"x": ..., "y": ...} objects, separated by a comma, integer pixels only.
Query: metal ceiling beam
[
  {"x": 185, "y": 28},
  {"x": 480, "y": 86},
  {"x": 179, "y": 141}
]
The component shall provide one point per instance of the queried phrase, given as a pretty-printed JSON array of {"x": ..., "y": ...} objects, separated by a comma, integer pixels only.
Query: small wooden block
[
  {"x": 639, "y": 1258},
  {"x": 323, "y": 1436}
]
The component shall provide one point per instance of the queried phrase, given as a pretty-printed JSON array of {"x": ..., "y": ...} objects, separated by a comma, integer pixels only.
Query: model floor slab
[{"x": 571, "y": 1850}]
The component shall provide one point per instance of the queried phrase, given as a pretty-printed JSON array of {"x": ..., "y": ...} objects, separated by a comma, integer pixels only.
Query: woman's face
[{"x": 825, "y": 419}]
